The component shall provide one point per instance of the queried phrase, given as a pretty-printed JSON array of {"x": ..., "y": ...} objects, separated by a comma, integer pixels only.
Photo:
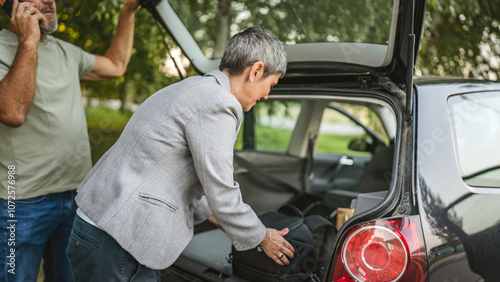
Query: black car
[{"x": 408, "y": 172}]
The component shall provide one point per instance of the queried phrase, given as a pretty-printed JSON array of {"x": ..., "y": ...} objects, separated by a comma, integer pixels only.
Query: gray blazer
[{"x": 147, "y": 190}]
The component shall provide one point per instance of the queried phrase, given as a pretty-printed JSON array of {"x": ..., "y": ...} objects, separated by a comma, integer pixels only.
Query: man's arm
[
  {"x": 114, "y": 63},
  {"x": 17, "y": 88}
]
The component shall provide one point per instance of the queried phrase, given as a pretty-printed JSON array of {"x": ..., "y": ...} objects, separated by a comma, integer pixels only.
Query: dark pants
[
  {"x": 35, "y": 228},
  {"x": 95, "y": 256}
]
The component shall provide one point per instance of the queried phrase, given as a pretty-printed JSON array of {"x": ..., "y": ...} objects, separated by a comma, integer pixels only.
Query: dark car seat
[{"x": 377, "y": 172}]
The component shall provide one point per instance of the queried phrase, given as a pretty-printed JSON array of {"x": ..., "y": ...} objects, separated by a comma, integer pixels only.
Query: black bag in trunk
[{"x": 308, "y": 262}]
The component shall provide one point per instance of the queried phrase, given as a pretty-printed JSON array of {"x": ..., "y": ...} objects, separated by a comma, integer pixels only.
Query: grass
[
  {"x": 337, "y": 144},
  {"x": 275, "y": 139},
  {"x": 104, "y": 127}
]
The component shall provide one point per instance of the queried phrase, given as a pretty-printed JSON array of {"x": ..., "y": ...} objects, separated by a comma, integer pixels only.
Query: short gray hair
[{"x": 252, "y": 45}]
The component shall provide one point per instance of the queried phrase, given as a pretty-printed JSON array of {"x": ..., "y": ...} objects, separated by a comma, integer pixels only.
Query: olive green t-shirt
[{"x": 50, "y": 152}]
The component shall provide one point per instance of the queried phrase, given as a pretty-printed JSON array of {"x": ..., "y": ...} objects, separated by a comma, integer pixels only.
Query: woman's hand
[
  {"x": 214, "y": 221},
  {"x": 276, "y": 247}
]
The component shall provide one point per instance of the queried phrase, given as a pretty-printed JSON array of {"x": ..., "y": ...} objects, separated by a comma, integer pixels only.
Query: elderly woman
[{"x": 173, "y": 167}]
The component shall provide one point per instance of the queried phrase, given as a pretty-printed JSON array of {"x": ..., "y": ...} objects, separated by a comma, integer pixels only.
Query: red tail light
[{"x": 383, "y": 250}]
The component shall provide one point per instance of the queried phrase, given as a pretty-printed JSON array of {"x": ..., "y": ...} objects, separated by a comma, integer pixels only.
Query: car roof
[{"x": 435, "y": 85}]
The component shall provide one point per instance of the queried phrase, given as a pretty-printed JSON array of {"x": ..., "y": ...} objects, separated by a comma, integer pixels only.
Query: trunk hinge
[
  {"x": 149, "y": 4},
  {"x": 365, "y": 81}
]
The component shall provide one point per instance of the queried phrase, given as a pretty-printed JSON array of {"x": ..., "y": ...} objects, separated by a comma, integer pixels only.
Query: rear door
[{"x": 345, "y": 143}]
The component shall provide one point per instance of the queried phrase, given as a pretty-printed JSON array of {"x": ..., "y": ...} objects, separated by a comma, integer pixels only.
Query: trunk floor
[{"x": 210, "y": 248}]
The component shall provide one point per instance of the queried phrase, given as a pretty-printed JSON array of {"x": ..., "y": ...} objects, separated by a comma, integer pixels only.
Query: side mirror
[{"x": 362, "y": 144}]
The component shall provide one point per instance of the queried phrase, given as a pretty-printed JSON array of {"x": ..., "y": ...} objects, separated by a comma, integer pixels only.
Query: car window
[
  {"x": 273, "y": 124},
  {"x": 338, "y": 131},
  {"x": 476, "y": 129},
  {"x": 292, "y": 22}
]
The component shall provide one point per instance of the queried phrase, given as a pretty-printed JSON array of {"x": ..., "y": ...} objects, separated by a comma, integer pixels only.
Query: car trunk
[{"x": 270, "y": 180}]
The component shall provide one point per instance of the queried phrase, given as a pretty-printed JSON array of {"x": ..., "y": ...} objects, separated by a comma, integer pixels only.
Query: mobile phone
[{"x": 7, "y": 6}]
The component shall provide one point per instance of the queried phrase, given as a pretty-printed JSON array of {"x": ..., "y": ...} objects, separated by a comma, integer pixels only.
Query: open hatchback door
[{"x": 322, "y": 38}]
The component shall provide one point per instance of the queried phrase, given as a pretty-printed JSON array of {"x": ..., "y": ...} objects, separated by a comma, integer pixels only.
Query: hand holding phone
[
  {"x": 7, "y": 6},
  {"x": 21, "y": 24}
]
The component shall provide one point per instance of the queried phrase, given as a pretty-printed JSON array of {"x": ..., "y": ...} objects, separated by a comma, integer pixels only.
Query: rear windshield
[
  {"x": 476, "y": 124},
  {"x": 212, "y": 22}
]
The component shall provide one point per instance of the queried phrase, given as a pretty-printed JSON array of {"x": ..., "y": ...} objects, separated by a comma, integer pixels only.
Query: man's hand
[
  {"x": 131, "y": 6},
  {"x": 276, "y": 247},
  {"x": 17, "y": 88},
  {"x": 24, "y": 22}
]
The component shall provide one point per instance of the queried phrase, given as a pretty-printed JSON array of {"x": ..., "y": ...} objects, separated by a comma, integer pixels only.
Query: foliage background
[
  {"x": 90, "y": 24},
  {"x": 461, "y": 37}
]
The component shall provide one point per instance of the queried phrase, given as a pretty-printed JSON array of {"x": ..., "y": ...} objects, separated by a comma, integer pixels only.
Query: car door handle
[{"x": 345, "y": 160}]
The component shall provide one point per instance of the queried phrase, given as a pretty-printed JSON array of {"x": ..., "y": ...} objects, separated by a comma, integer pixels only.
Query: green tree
[
  {"x": 461, "y": 38},
  {"x": 91, "y": 24}
]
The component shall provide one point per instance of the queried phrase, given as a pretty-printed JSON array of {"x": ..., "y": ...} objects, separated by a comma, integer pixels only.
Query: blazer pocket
[{"x": 157, "y": 201}]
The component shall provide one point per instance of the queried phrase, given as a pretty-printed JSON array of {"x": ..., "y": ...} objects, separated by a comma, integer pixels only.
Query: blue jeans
[
  {"x": 96, "y": 256},
  {"x": 40, "y": 228}
]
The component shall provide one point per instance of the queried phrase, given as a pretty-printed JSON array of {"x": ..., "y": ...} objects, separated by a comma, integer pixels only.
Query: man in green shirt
[{"x": 44, "y": 147}]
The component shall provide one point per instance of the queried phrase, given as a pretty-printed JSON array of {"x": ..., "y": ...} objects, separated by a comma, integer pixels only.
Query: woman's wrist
[{"x": 267, "y": 237}]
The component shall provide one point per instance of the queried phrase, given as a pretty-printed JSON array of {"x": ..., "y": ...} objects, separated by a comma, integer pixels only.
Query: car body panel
[{"x": 446, "y": 204}]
